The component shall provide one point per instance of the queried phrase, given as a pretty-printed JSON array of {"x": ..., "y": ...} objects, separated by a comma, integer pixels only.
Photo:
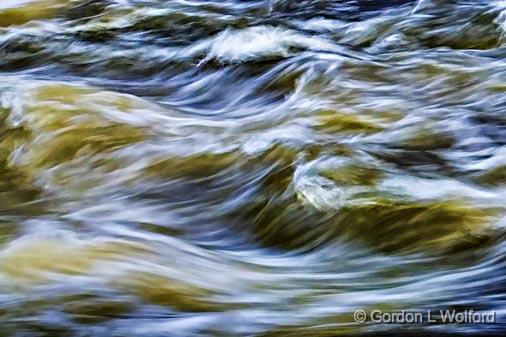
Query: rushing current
[{"x": 250, "y": 168}]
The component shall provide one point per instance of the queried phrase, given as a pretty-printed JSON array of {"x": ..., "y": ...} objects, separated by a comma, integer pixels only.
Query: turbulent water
[{"x": 250, "y": 168}]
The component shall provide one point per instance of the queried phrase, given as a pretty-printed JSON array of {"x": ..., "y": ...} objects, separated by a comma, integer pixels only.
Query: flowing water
[{"x": 250, "y": 168}]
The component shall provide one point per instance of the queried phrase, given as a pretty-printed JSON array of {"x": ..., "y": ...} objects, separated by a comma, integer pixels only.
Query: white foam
[
  {"x": 501, "y": 18},
  {"x": 500, "y": 3},
  {"x": 262, "y": 41},
  {"x": 5, "y": 4}
]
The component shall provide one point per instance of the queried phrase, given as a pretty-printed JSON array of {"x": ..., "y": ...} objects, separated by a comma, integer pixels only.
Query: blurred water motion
[{"x": 250, "y": 168}]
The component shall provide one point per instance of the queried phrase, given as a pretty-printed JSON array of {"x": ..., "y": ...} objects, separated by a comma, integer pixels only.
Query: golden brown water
[{"x": 250, "y": 168}]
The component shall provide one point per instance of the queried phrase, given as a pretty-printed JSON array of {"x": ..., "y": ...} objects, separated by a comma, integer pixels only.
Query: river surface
[{"x": 250, "y": 168}]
